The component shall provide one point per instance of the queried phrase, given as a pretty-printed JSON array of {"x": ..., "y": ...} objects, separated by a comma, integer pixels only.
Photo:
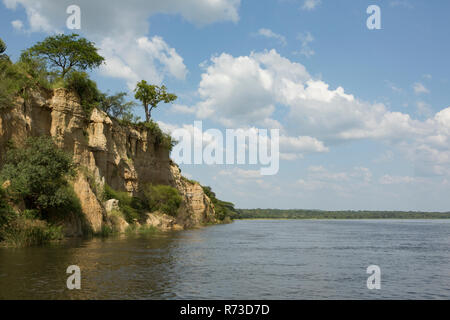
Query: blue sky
[{"x": 380, "y": 142}]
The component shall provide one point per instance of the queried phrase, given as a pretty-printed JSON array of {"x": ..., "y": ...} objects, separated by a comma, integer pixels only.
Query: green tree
[
  {"x": 117, "y": 107},
  {"x": 2, "y": 47},
  {"x": 38, "y": 174},
  {"x": 152, "y": 95},
  {"x": 67, "y": 52}
]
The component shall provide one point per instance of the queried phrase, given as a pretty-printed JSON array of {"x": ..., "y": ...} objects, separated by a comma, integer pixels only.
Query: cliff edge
[{"x": 125, "y": 157}]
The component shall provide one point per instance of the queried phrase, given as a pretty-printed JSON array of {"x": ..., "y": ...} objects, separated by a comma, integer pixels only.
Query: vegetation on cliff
[
  {"x": 225, "y": 211},
  {"x": 36, "y": 177}
]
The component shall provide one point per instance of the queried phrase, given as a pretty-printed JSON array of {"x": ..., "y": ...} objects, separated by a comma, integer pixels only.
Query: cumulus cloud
[
  {"x": 246, "y": 90},
  {"x": 142, "y": 58},
  {"x": 122, "y": 31},
  {"x": 118, "y": 17}
]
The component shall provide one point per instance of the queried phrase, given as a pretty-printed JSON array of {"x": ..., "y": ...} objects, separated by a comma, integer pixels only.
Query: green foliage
[
  {"x": 6, "y": 212},
  {"x": 38, "y": 174},
  {"x": 86, "y": 89},
  {"x": 116, "y": 107},
  {"x": 23, "y": 232},
  {"x": 131, "y": 207},
  {"x": 319, "y": 214},
  {"x": 64, "y": 53},
  {"x": 224, "y": 210},
  {"x": 2, "y": 46},
  {"x": 165, "y": 199},
  {"x": 162, "y": 139},
  {"x": 152, "y": 95},
  {"x": 14, "y": 82}
]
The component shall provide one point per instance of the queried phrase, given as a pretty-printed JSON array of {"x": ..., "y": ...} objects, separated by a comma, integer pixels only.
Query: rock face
[{"x": 124, "y": 157}]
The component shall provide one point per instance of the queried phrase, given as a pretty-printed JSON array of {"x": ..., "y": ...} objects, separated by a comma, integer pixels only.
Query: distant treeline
[{"x": 319, "y": 214}]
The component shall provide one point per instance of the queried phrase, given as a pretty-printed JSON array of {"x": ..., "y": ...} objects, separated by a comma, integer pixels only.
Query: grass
[{"x": 23, "y": 232}]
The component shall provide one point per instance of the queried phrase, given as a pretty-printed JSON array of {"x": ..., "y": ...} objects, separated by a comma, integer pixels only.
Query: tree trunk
[{"x": 147, "y": 113}]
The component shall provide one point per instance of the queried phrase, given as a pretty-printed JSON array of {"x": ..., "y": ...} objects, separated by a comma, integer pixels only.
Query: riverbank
[{"x": 301, "y": 214}]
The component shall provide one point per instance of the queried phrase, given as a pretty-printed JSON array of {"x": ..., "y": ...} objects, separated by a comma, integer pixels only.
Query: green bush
[
  {"x": 162, "y": 139},
  {"x": 131, "y": 207},
  {"x": 165, "y": 199},
  {"x": 23, "y": 232},
  {"x": 85, "y": 88},
  {"x": 38, "y": 174},
  {"x": 6, "y": 212},
  {"x": 225, "y": 211}
]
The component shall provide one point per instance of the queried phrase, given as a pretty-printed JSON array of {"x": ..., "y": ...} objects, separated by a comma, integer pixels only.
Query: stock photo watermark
[
  {"x": 73, "y": 22},
  {"x": 239, "y": 146},
  {"x": 74, "y": 280},
  {"x": 374, "y": 280},
  {"x": 374, "y": 20}
]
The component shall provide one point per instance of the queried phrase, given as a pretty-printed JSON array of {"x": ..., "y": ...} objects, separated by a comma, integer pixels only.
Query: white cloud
[
  {"x": 342, "y": 182},
  {"x": 388, "y": 179},
  {"x": 244, "y": 92},
  {"x": 17, "y": 25},
  {"x": 424, "y": 109},
  {"x": 121, "y": 31},
  {"x": 270, "y": 34},
  {"x": 119, "y": 17},
  {"x": 182, "y": 109},
  {"x": 419, "y": 88},
  {"x": 306, "y": 39},
  {"x": 143, "y": 58},
  {"x": 310, "y": 4},
  {"x": 393, "y": 87}
]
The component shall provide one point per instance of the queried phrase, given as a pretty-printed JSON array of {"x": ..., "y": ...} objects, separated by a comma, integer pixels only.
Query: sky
[{"x": 364, "y": 115}]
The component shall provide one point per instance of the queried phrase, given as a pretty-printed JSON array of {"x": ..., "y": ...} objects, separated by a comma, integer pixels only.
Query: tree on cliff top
[
  {"x": 2, "y": 46},
  {"x": 152, "y": 95},
  {"x": 67, "y": 52}
]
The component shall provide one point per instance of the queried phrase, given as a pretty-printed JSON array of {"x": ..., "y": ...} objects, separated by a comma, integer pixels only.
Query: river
[{"x": 250, "y": 259}]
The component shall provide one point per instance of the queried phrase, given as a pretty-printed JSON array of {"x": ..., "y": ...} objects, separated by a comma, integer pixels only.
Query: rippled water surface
[{"x": 262, "y": 259}]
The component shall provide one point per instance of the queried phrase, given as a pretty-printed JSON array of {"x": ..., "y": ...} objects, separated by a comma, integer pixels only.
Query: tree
[
  {"x": 67, "y": 52},
  {"x": 2, "y": 46},
  {"x": 152, "y": 95},
  {"x": 38, "y": 174},
  {"x": 116, "y": 106},
  {"x": 3, "y": 56}
]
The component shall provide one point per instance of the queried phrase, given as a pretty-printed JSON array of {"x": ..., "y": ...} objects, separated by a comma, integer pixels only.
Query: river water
[{"x": 259, "y": 259}]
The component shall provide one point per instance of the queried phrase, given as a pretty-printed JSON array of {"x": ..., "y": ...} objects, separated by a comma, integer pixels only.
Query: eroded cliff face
[{"x": 124, "y": 157}]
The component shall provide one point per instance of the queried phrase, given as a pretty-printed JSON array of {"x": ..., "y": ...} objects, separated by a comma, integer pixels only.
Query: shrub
[
  {"x": 225, "y": 211},
  {"x": 161, "y": 139},
  {"x": 23, "y": 232},
  {"x": 162, "y": 198},
  {"x": 85, "y": 88},
  {"x": 6, "y": 212},
  {"x": 38, "y": 174},
  {"x": 131, "y": 207}
]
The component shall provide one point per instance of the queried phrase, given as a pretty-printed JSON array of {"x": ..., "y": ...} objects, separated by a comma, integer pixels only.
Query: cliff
[{"x": 105, "y": 151}]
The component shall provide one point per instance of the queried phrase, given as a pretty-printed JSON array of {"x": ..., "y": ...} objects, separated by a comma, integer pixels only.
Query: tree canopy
[
  {"x": 2, "y": 46},
  {"x": 67, "y": 52},
  {"x": 152, "y": 95},
  {"x": 38, "y": 173},
  {"x": 117, "y": 107}
]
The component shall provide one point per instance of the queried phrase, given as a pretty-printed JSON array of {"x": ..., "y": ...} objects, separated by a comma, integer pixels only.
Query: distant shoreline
[{"x": 301, "y": 214}]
